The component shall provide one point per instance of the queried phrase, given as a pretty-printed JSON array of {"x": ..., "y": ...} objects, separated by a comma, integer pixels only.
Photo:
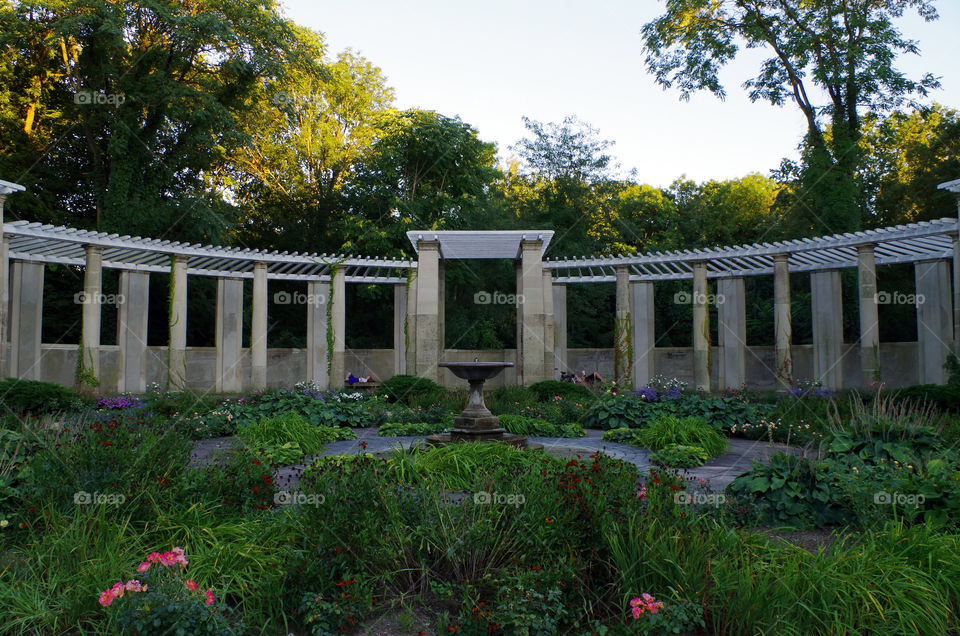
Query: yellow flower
[{"x": 4, "y": 523}]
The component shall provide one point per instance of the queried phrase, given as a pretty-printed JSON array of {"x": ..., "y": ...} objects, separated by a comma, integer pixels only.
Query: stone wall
[{"x": 285, "y": 367}]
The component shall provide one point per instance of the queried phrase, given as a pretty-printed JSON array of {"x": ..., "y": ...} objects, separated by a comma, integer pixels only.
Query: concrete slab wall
[{"x": 286, "y": 367}]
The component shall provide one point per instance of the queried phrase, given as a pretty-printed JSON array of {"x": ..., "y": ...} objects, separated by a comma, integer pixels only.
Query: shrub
[
  {"x": 162, "y": 600},
  {"x": 689, "y": 431},
  {"x": 331, "y": 409},
  {"x": 396, "y": 429},
  {"x": 519, "y": 425},
  {"x": 37, "y": 398},
  {"x": 946, "y": 398},
  {"x": 792, "y": 491},
  {"x": 406, "y": 388},
  {"x": 546, "y": 390},
  {"x": 622, "y": 435},
  {"x": 680, "y": 456},
  {"x": 618, "y": 411},
  {"x": 269, "y": 434}
]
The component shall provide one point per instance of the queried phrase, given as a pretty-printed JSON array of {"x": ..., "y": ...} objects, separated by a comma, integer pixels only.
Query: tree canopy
[{"x": 844, "y": 50}]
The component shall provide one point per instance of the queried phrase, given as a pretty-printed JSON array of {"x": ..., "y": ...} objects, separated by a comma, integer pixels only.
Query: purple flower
[
  {"x": 673, "y": 393},
  {"x": 121, "y": 402},
  {"x": 647, "y": 394}
]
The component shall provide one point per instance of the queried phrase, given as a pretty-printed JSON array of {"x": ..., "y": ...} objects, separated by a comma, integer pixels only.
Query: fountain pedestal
[{"x": 476, "y": 423}]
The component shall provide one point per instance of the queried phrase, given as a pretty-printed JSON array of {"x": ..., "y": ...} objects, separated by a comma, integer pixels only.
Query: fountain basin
[{"x": 476, "y": 423}]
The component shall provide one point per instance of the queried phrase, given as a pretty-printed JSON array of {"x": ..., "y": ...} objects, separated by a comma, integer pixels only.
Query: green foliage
[
  {"x": 680, "y": 456},
  {"x": 405, "y": 388},
  {"x": 331, "y": 410},
  {"x": 36, "y": 398},
  {"x": 616, "y": 411},
  {"x": 462, "y": 466},
  {"x": 846, "y": 54},
  {"x": 546, "y": 390},
  {"x": 623, "y": 435},
  {"x": 944, "y": 397},
  {"x": 240, "y": 480},
  {"x": 271, "y": 434},
  {"x": 791, "y": 491},
  {"x": 103, "y": 455},
  {"x": 675, "y": 617},
  {"x": 396, "y": 429},
  {"x": 520, "y": 425},
  {"x": 688, "y": 431}
]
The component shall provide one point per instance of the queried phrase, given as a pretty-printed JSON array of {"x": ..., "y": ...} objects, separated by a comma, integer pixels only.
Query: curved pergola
[{"x": 419, "y": 304}]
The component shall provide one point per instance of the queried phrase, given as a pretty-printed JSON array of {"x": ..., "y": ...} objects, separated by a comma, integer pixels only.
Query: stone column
[
  {"x": 869, "y": 323},
  {"x": 519, "y": 310},
  {"x": 411, "y": 337},
  {"x": 531, "y": 354},
  {"x": 732, "y": 332},
  {"x": 399, "y": 328},
  {"x": 338, "y": 321},
  {"x": 428, "y": 307},
  {"x": 441, "y": 308},
  {"x": 229, "y": 337},
  {"x": 956, "y": 288},
  {"x": 622, "y": 355},
  {"x": 177, "y": 369},
  {"x": 132, "y": 315},
  {"x": 90, "y": 298},
  {"x": 827, "y": 308},
  {"x": 550, "y": 369},
  {"x": 258, "y": 328},
  {"x": 644, "y": 335},
  {"x": 4, "y": 295},
  {"x": 783, "y": 329},
  {"x": 318, "y": 295},
  {"x": 560, "y": 330},
  {"x": 26, "y": 319},
  {"x": 934, "y": 319},
  {"x": 701, "y": 328}
]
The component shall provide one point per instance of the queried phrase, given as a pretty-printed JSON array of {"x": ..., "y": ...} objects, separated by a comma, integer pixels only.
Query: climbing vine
[
  {"x": 623, "y": 354},
  {"x": 83, "y": 374}
]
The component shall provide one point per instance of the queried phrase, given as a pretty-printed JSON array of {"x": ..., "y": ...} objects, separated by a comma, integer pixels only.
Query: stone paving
[{"x": 719, "y": 471}]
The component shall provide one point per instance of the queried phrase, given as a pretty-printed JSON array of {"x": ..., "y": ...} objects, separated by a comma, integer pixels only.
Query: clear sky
[{"x": 493, "y": 61}]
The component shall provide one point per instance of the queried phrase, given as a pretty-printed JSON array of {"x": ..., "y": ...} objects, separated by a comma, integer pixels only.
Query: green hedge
[
  {"x": 37, "y": 398},
  {"x": 407, "y": 389},
  {"x": 549, "y": 389}
]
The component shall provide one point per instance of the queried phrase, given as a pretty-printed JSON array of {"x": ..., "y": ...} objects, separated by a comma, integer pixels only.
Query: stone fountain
[{"x": 476, "y": 423}]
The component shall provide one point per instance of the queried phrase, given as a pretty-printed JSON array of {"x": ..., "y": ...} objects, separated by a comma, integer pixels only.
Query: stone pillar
[
  {"x": 519, "y": 310},
  {"x": 177, "y": 369},
  {"x": 229, "y": 337},
  {"x": 732, "y": 332},
  {"x": 531, "y": 355},
  {"x": 258, "y": 328},
  {"x": 956, "y": 288},
  {"x": 441, "y": 308},
  {"x": 26, "y": 319},
  {"x": 428, "y": 307},
  {"x": 4, "y": 295},
  {"x": 827, "y": 308},
  {"x": 399, "y": 328},
  {"x": 318, "y": 295},
  {"x": 934, "y": 319},
  {"x": 411, "y": 336},
  {"x": 559, "y": 330},
  {"x": 90, "y": 298},
  {"x": 644, "y": 335},
  {"x": 622, "y": 338},
  {"x": 869, "y": 322},
  {"x": 782, "y": 323},
  {"x": 549, "y": 361},
  {"x": 701, "y": 328},
  {"x": 338, "y": 322},
  {"x": 132, "y": 314}
]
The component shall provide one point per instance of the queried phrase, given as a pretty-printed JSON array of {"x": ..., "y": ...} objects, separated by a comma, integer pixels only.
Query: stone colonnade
[
  {"x": 325, "y": 319},
  {"x": 418, "y": 327}
]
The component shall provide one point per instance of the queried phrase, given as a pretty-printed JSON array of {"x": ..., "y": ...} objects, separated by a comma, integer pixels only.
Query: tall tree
[
  {"x": 125, "y": 106},
  {"x": 844, "y": 49}
]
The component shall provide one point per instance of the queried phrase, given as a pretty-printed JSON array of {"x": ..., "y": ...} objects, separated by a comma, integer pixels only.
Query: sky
[{"x": 494, "y": 61}]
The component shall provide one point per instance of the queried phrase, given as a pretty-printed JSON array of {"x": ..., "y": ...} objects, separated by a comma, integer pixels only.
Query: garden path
[{"x": 719, "y": 471}]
